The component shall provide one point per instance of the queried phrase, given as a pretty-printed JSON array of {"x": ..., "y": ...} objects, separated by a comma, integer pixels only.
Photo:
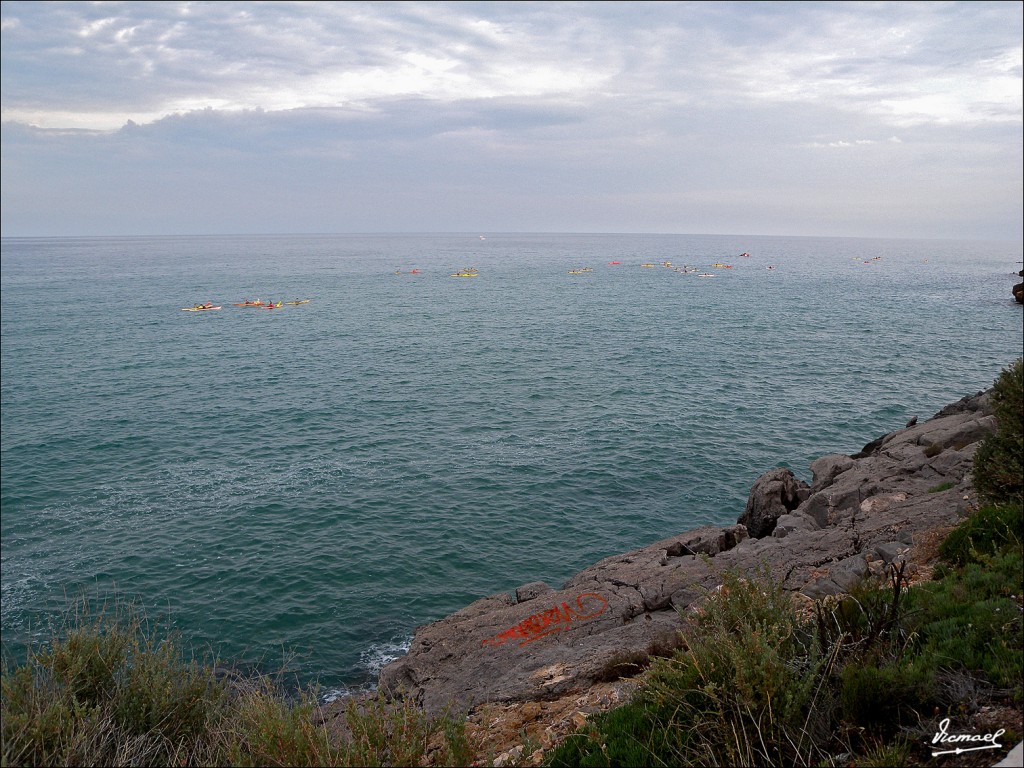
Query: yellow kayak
[
  {"x": 198, "y": 308},
  {"x": 298, "y": 301}
]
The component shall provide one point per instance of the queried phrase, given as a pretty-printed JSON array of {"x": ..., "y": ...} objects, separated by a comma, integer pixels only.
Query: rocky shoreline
[{"x": 546, "y": 645}]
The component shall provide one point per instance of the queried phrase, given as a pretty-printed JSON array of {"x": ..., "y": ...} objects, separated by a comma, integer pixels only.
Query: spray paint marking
[{"x": 557, "y": 619}]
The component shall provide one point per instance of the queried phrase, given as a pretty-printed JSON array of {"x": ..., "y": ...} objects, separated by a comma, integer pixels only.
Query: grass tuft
[{"x": 108, "y": 689}]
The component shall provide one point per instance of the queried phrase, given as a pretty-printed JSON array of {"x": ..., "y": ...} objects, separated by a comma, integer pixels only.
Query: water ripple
[{"x": 318, "y": 482}]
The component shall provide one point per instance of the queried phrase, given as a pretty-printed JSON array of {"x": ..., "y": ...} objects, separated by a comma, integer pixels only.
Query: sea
[{"x": 302, "y": 487}]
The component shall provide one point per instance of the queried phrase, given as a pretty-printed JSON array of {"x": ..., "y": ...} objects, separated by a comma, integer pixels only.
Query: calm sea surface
[{"x": 316, "y": 481}]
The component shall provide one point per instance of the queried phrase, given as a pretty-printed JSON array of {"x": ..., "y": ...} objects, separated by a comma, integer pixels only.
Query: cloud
[
  {"x": 843, "y": 144},
  {"x": 143, "y": 61},
  {"x": 274, "y": 57},
  {"x": 556, "y": 115}
]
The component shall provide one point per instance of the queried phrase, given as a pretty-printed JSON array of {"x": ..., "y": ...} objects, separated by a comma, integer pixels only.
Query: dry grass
[{"x": 107, "y": 689}]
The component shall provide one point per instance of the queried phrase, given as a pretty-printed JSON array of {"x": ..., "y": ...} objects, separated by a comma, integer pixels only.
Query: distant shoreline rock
[
  {"x": 859, "y": 513},
  {"x": 1018, "y": 290}
]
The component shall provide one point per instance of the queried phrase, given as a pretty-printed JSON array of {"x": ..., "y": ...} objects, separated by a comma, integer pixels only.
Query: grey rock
[
  {"x": 959, "y": 431},
  {"x": 849, "y": 572},
  {"x": 825, "y": 470},
  {"x": 530, "y": 591},
  {"x": 786, "y": 524},
  {"x": 870, "y": 449},
  {"x": 708, "y": 541},
  {"x": 951, "y": 464},
  {"x": 881, "y": 503},
  {"x": 773, "y": 494},
  {"x": 980, "y": 401},
  {"x": 891, "y": 550},
  {"x": 821, "y": 587}
]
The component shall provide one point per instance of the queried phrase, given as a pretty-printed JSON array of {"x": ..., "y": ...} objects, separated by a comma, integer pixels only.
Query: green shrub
[
  {"x": 267, "y": 729},
  {"x": 999, "y": 461},
  {"x": 941, "y": 487},
  {"x": 984, "y": 533},
  {"x": 103, "y": 691},
  {"x": 876, "y": 694},
  {"x": 631, "y": 736},
  {"x": 933, "y": 450},
  {"x": 970, "y": 620}
]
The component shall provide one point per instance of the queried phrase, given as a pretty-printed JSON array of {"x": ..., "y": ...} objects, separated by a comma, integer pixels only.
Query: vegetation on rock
[{"x": 999, "y": 462}]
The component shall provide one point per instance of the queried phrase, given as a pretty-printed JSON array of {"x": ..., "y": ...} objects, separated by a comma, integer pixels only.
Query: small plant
[
  {"x": 941, "y": 487},
  {"x": 999, "y": 461},
  {"x": 884, "y": 695},
  {"x": 933, "y": 450},
  {"x": 633, "y": 735},
  {"x": 887, "y": 755},
  {"x": 984, "y": 533}
]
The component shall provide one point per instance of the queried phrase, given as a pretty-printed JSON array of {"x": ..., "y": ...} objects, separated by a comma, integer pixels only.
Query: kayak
[
  {"x": 249, "y": 304},
  {"x": 272, "y": 306},
  {"x": 298, "y": 301},
  {"x": 198, "y": 309}
]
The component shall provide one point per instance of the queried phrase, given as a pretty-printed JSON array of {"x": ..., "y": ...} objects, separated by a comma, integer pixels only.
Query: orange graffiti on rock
[{"x": 557, "y": 619}]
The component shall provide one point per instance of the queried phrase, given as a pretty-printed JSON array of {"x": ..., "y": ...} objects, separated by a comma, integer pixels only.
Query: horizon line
[{"x": 496, "y": 233}]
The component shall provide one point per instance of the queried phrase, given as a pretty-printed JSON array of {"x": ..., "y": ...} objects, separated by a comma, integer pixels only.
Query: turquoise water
[{"x": 316, "y": 481}]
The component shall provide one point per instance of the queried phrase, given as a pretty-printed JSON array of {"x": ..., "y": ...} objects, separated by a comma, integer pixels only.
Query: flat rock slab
[{"x": 544, "y": 642}]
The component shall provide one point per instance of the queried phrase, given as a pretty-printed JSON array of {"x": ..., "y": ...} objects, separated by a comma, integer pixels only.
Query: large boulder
[
  {"x": 773, "y": 494},
  {"x": 827, "y": 468},
  {"x": 980, "y": 401}
]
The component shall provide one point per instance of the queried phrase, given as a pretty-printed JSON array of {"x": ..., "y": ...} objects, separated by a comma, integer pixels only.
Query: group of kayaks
[
  {"x": 209, "y": 306},
  {"x": 685, "y": 269},
  {"x": 465, "y": 272}
]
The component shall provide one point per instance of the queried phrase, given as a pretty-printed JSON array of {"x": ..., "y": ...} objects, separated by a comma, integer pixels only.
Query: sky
[{"x": 831, "y": 119}]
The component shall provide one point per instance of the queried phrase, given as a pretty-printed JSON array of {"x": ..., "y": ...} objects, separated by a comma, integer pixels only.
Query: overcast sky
[{"x": 847, "y": 119}]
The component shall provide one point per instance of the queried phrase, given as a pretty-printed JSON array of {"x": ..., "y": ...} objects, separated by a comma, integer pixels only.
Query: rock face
[
  {"x": 820, "y": 539},
  {"x": 775, "y": 493}
]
